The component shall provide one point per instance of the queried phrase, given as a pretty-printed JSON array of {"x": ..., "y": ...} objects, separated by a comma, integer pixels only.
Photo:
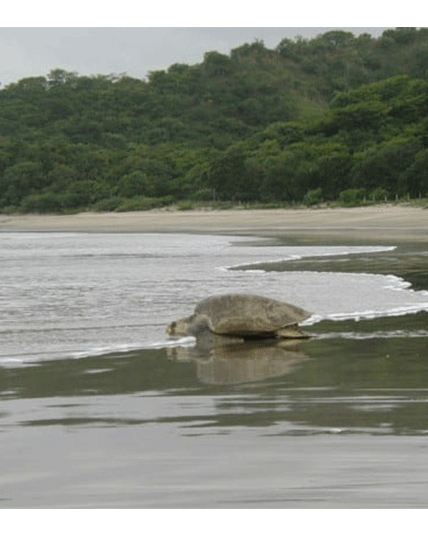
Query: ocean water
[
  {"x": 98, "y": 408},
  {"x": 76, "y": 295}
]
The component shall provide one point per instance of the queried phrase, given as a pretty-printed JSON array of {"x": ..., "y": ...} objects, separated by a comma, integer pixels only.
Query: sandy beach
[{"x": 385, "y": 223}]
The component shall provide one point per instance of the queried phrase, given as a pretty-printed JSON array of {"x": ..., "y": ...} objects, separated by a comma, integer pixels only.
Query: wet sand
[
  {"x": 124, "y": 468},
  {"x": 386, "y": 223}
]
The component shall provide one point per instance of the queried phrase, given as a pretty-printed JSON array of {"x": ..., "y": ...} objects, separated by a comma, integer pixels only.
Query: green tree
[
  {"x": 414, "y": 179},
  {"x": 228, "y": 177},
  {"x": 216, "y": 64},
  {"x": 58, "y": 77},
  {"x": 20, "y": 180},
  {"x": 136, "y": 183},
  {"x": 61, "y": 176},
  {"x": 336, "y": 112}
]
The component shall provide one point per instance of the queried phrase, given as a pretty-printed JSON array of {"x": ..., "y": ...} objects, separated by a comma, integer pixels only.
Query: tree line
[{"x": 334, "y": 117}]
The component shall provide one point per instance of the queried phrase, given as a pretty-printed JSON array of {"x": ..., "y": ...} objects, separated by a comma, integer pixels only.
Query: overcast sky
[{"x": 28, "y": 52}]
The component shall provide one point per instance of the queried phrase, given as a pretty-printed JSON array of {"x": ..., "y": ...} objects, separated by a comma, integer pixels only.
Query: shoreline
[{"x": 381, "y": 223}]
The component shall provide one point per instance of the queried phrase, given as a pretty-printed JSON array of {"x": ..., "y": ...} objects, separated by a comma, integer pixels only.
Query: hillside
[{"x": 334, "y": 117}]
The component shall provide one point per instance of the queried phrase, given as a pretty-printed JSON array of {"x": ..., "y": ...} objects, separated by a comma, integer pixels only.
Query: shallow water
[{"x": 99, "y": 409}]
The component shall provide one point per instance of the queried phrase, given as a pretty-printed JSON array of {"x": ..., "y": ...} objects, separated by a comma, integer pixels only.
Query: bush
[
  {"x": 203, "y": 195},
  {"x": 313, "y": 197},
  {"x": 144, "y": 203},
  {"x": 186, "y": 205},
  {"x": 71, "y": 200},
  {"x": 352, "y": 197},
  {"x": 108, "y": 205},
  {"x": 11, "y": 209},
  {"x": 223, "y": 205},
  {"x": 47, "y": 202},
  {"x": 379, "y": 194}
]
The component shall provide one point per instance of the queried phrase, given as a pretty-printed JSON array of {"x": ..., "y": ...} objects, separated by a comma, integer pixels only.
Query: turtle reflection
[{"x": 250, "y": 361}]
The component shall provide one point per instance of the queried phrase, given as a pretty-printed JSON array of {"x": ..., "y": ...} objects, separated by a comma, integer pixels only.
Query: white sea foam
[{"x": 355, "y": 335}]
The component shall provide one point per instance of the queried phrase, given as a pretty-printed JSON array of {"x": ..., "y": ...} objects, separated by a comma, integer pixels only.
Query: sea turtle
[{"x": 241, "y": 317}]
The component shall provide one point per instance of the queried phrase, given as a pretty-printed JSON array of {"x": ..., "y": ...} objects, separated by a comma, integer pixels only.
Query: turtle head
[
  {"x": 178, "y": 328},
  {"x": 192, "y": 325}
]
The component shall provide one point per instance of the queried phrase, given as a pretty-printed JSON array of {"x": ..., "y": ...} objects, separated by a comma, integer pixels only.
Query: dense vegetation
[{"x": 334, "y": 117}]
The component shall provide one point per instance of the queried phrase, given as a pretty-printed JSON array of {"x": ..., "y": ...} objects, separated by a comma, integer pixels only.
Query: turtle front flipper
[{"x": 292, "y": 332}]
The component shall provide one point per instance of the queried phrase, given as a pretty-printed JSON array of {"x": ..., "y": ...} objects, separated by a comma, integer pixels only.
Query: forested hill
[{"x": 337, "y": 116}]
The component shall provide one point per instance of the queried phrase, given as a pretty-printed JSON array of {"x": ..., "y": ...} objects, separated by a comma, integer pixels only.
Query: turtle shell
[{"x": 248, "y": 314}]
